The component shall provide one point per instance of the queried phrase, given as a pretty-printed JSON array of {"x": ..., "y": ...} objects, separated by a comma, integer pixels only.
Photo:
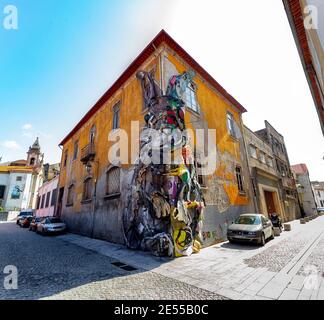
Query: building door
[
  {"x": 270, "y": 201},
  {"x": 59, "y": 202}
]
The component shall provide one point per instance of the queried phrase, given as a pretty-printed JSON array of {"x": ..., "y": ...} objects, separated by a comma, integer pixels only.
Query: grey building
[
  {"x": 304, "y": 188},
  {"x": 318, "y": 189},
  {"x": 266, "y": 181},
  {"x": 281, "y": 161}
]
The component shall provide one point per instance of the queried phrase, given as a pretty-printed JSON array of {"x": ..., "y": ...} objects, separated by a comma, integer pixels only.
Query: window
[
  {"x": 113, "y": 181},
  {"x": 199, "y": 168},
  {"x": 32, "y": 161},
  {"x": 38, "y": 202},
  {"x": 190, "y": 97},
  {"x": 75, "y": 150},
  {"x": 65, "y": 157},
  {"x": 92, "y": 135},
  {"x": 19, "y": 178},
  {"x": 2, "y": 191},
  {"x": 70, "y": 195},
  {"x": 48, "y": 195},
  {"x": 262, "y": 157},
  {"x": 253, "y": 151},
  {"x": 87, "y": 189},
  {"x": 16, "y": 191},
  {"x": 43, "y": 201},
  {"x": 239, "y": 178},
  {"x": 116, "y": 120},
  {"x": 54, "y": 195},
  {"x": 270, "y": 162},
  {"x": 230, "y": 124}
]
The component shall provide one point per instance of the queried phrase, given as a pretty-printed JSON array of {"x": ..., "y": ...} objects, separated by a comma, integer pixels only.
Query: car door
[{"x": 266, "y": 224}]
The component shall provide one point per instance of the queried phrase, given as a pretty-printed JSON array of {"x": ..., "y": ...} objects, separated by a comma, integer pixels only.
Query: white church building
[{"x": 20, "y": 180}]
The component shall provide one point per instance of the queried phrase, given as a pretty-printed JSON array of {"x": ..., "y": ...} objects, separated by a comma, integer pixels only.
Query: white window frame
[{"x": 190, "y": 97}]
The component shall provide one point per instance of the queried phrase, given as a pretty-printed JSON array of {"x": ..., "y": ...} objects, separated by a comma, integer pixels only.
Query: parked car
[
  {"x": 24, "y": 214},
  {"x": 35, "y": 221},
  {"x": 51, "y": 225},
  {"x": 320, "y": 209},
  {"x": 251, "y": 227},
  {"x": 25, "y": 221}
]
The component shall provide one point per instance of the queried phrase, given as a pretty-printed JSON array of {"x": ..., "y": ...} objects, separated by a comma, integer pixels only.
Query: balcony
[
  {"x": 288, "y": 182},
  {"x": 88, "y": 153}
]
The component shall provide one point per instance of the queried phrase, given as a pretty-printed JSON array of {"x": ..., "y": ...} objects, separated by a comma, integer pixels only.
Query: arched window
[
  {"x": 70, "y": 195},
  {"x": 113, "y": 181},
  {"x": 32, "y": 161},
  {"x": 87, "y": 189}
]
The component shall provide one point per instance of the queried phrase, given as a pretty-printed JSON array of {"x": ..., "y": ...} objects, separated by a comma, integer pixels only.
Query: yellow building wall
[{"x": 221, "y": 188}]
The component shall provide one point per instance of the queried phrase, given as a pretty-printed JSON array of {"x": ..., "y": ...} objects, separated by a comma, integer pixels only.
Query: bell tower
[{"x": 34, "y": 156}]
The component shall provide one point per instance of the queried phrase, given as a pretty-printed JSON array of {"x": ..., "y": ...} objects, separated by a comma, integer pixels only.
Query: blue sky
[{"x": 66, "y": 53}]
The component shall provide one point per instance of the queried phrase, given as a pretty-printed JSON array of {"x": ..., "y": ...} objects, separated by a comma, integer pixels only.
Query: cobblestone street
[
  {"x": 75, "y": 267},
  {"x": 51, "y": 268}
]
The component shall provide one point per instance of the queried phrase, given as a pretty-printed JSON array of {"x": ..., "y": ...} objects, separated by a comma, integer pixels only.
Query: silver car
[
  {"x": 51, "y": 225},
  {"x": 251, "y": 227}
]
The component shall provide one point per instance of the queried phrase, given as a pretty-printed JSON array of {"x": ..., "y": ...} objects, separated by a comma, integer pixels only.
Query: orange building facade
[{"x": 93, "y": 191}]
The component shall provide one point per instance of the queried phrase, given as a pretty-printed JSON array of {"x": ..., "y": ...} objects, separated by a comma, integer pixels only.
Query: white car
[{"x": 51, "y": 225}]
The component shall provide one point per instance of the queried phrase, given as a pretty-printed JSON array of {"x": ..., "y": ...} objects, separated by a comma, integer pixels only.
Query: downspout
[
  {"x": 94, "y": 198},
  {"x": 255, "y": 203}
]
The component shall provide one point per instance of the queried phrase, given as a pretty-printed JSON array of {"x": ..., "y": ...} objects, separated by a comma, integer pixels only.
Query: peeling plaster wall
[{"x": 223, "y": 199}]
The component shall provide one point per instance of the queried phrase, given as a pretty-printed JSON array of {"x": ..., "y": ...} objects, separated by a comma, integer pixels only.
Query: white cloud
[
  {"x": 10, "y": 144},
  {"x": 27, "y": 126}
]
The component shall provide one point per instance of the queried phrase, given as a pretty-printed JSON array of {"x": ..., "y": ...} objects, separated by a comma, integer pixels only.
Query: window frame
[
  {"x": 87, "y": 192},
  {"x": 42, "y": 206},
  {"x": 65, "y": 158},
  {"x": 70, "y": 195},
  {"x": 116, "y": 116},
  {"x": 3, "y": 193},
  {"x": 239, "y": 179},
  {"x": 75, "y": 150},
  {"x": 252, "y": 146},
  {"x": 116, "y": 192},
  {"x": 47, "y": 202},
  {"x": 230, "y": 124},
  {"x": 269, "y": 161},
  {"x": 92, "y": 134},
  {"x": 54, "y": 197},
  {"x": 262, "y": 157},
  {"x": 191, "y": 88}
]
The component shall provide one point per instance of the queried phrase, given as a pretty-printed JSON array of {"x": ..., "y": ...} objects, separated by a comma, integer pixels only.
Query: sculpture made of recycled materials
[{"x": 165, "y": 205}]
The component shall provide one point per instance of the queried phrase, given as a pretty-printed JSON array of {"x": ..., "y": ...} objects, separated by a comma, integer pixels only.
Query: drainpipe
[
  {"x": 94, "y": 198},
  {"x": 255, "y": 203}
]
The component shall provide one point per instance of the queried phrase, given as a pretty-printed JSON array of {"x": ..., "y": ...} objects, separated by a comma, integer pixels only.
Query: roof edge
[{"x": 161, "y": 37}]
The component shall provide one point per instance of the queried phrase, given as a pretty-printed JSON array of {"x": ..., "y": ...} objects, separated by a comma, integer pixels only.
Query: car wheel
[
  {"x": 272, "y": 234},
  {"x": 43, "y": 232},
  {"x": 262, "y": 240}
]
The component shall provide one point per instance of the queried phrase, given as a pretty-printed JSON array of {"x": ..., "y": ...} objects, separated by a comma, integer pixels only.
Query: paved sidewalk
[{"x": 275, "y": 271}]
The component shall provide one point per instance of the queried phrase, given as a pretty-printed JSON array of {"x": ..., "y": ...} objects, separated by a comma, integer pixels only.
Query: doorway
[
  {"x": 59, "y": 203},
  {"x": 270, "y": 203}
]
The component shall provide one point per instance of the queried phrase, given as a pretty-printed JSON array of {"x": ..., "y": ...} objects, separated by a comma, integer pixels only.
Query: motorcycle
[{"x": 276, "y": 221}]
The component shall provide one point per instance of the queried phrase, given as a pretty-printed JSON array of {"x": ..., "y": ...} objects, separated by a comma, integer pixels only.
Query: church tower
[
  {"x": 34, "y": 156},
  {"x": 35, "y": 160}
]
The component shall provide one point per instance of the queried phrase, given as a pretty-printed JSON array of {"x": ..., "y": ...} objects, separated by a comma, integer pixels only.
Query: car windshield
[
  {"x": 25, "y": 213},
  {"x": 54, "y": 220},
  {"x": 248, "y": 220}
]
